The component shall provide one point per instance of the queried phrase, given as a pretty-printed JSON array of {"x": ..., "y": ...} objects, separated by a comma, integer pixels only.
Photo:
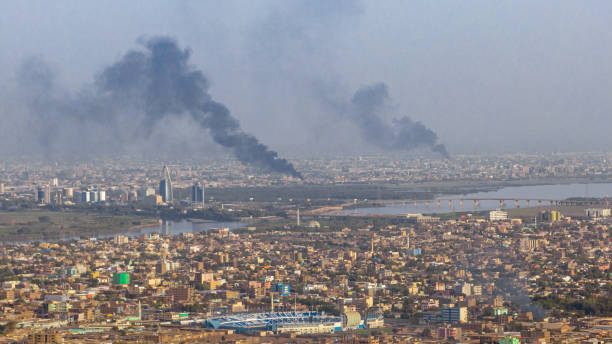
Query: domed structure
[{"x": 313, "y": 224}]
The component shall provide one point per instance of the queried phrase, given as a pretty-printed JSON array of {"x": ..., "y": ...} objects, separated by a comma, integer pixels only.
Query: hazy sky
[{"x": 486, "y": 76}]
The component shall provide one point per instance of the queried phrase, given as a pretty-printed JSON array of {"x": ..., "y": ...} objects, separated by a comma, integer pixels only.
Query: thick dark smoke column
[
  {"x": 145, "y": 88},
  {"x": 402, "y": 134},
  {"x": 518, "y": 295},
  {"x": 161, "y": 79}
]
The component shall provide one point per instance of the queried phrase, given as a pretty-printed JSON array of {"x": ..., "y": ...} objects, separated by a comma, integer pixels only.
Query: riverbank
[
  {"x": 342, "y": 192},
  {"x": 463, "y": 187},
  {"x": 35, "y": 224},
  {"x": 525, "y": 196}
]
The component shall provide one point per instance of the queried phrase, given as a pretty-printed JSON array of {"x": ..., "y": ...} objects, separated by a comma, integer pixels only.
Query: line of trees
[{"x": 596, "y": 306}]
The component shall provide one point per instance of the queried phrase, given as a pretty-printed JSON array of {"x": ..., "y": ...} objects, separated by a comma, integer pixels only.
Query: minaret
[
  {"x": 203, "y": 195},
  {"x": 372, "y": 243},
  {"x": 139, "y": 311},
  {"x": 271, "y": 302},
  {"x": 298, "y": 217}
]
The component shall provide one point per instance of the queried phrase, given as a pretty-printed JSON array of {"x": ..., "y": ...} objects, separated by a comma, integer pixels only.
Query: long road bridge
[{"x": 502, "y": 202}]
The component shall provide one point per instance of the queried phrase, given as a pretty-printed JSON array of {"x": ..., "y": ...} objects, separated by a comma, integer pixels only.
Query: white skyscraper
[{"x": 165, "y": 186}]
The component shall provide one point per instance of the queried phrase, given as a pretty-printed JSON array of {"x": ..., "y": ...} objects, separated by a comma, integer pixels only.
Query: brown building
[
  {"x": 181, "y": 293},
  {"x": 47, "y": 337}
]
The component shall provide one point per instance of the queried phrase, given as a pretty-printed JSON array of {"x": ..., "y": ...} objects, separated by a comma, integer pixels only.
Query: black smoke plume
[
  {"x": 401, "y": 134},
  {"x": 145, "y": 87},
  {"x": 518, "y": 295}
]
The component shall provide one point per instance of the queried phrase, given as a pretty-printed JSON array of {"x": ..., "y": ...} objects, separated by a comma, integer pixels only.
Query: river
[
  {"x": 545, "y": 192},
  {"x": 164, "y": 228},
  {"x": 179, "y": 227}
]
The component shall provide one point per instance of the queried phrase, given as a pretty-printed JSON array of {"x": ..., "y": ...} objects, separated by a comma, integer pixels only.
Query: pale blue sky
[{"x": 487, "y": 76}]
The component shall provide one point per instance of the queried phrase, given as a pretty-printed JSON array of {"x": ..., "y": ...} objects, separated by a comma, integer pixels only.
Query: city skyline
[{"x": 306, "y": 172}]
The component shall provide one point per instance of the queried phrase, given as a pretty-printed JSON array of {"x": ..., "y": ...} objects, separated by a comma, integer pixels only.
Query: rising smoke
[
  {"x": 307, "y": 34},
  {"x": 402, "y": 133},
  {"x": 130, "y": 97},
  {"x": 518, "y": 295}
]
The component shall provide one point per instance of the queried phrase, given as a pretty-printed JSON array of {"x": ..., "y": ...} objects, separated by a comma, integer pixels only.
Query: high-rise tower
[
  {"x": 197, "y": 194},
  {"x": 165, "y": 186}
]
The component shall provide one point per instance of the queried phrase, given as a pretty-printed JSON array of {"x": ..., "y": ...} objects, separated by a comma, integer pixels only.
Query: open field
[{"x": 27, "y": 225}]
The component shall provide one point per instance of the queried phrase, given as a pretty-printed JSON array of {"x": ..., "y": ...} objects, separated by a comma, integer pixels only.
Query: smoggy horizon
[{"x": 301, "y": 77}]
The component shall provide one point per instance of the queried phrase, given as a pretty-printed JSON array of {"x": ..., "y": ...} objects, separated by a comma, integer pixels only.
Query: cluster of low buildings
[
  {"x": 469, "y": 280},
  {"x": 329, "y": 278}
]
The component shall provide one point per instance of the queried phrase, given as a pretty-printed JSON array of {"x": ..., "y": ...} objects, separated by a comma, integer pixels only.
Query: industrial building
[
  {"x": 43, "y": 194},
  {"x": 93, "y": 196}
]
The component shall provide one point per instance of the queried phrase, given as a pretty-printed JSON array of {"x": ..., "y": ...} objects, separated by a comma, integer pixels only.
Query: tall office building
[
  {"x": 197, "y": 194},
  {"x": 454, "y": 314},
  {"x": 165, "y": 186},
  {"x": 163, "y": 190}
]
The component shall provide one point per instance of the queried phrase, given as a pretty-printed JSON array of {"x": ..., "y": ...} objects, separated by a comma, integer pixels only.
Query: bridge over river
[{"x": 517, "y": 202}]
